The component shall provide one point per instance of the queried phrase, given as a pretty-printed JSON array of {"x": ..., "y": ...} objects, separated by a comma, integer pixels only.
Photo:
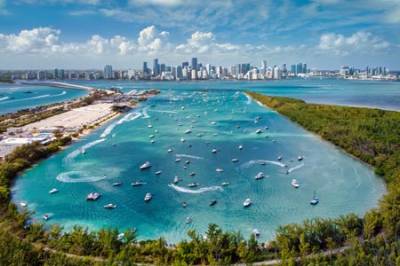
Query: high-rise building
[
  {"x": 264, "y": 66},
  {"x": 178, "y": 74},
  {"x": 108, "y": 72},
  {"x": 304, "y": 68},
  {"x": 194, "y": 63},
  {"x": 162, "y": 68},
  {"x": 299, "y": 68},
  {"x": 156, "y": 67}
]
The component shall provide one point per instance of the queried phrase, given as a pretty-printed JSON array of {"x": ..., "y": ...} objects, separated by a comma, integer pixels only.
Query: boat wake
[
  {"x": 162, "y": 111},
  {"x": 126, "y": 118},
  {"x": 78, "y": 177},
  {"x": 248, "y": 98},
  {"x": 295, "y": 167},
  {"x": 252, "y": 162},
  {"x": 189, "y": 156},
  {"x": 196, "y": 191},
  {"x": 4, "y": 98},
  {"x": 82, "y": 149},
  {"x": 144, "y": 112}
]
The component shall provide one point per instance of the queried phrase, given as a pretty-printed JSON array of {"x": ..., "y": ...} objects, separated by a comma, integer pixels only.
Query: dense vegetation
[{"x": 371, "y": 135}]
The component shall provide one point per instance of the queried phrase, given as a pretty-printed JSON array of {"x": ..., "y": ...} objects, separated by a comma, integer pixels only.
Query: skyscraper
[
  {"x": 194, "y": 63},
  {"x": 156, "y": 67},
  {"x": 108, "y": 72}
]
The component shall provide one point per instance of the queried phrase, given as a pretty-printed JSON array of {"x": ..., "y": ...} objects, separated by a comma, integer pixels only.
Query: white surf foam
[
  {"x": 189, "y": 156},
  {"x": 248, "y": 98},
  {"x": 196, "y": 191},
  {"x": 76, "y": 152},
  {"x": 68, "y": 177},
  {"x": 4, "y": 98}
]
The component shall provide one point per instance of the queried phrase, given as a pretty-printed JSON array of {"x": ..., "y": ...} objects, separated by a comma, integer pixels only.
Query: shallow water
[{"x": 115, "y": 151}]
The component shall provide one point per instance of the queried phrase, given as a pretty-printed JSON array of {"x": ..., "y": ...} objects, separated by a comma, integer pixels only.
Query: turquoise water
[
  {"x": 16, "y": 97},
  {"x": 221, "y": 119}
]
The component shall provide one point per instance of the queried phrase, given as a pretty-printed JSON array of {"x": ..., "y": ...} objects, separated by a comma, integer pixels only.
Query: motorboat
[
  {"x": 315, "y": 199},
  {"x": 259, "y": 176},
  {"x": 294, "y": 183},
  {"x": 152, "y": 141},
  {"x": 176, "y": 180},
  {"x": 137, "y": 184},
  {"x": 256, "y": 232},
  {"x": 262, "y": 162},
  {"x": 224, "y": 184},
  {"x": 158, "y": 173},
  {"x": 247, "y": 202},
  {"x": 177, "y": 160},
  {"x": 116, "y": 184},
  {"x": 188, "y": 131},
  {"x": 300, "y": 158},
  {"x": 213, "y": 202},
  {"x": 259, "y": 131},
  {"x": 192, "y": 174},
  {"x": 93, "y": 196},
  {"x": 46, "y": 217},
  {"x": 214, "y": 150},
  {"x": 187, "y": 162},
  {"x": 151, "y": 136},
  {"x": 149, "y": 126},
  {"x": 240, "y": 147},
  {"x": 235, "y": 160},
  {"x": 219, "y": 170},
  {"x": 53, "y": 191},
  {"x": 169, "y": 150},
  {"x": 193, "y": 184},
  {"x": 183, "y": 140},
  {"x": 110, "y": 206},
  {"x": 148, "y": 197},
  {"x": 280, "y": 158},
  {"x": 145, "y": 166},
  {"x": 184, "y": 204},
  {"x": 189, "y": 220},
  {"x": 23, "y": 204}
]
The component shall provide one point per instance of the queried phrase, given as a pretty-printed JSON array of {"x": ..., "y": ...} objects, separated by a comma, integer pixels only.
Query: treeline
[{"x": 373, "y": 136}]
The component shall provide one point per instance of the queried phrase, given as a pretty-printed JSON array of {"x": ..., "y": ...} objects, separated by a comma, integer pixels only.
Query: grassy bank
[{"x": 373, "y": 136}]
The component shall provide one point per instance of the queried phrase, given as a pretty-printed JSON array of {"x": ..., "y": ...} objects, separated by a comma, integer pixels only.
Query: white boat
[
  {"x": 235, "y": 160},
  {"x": 188, "y": 131},
  {"x": 193, "y": 184},
  {"x": 279, "y": 158},
  {"x": 110, "y": 206},
  {"x": 46, "y": 217},
  {"x": 149, "y": 126},
  {"x": 137, "y": 184},
  {"x": 259, "y": 176},
  {"x": 116, "y": 184},
  {"x": 93, "y": 196},
  {"x": 219, "y": 170},
  {"x": 176, "y": 180},
  {"x": 294, "y": 183},
  {"x": 158, "y": 173},
  {"x": 145, "y": 166},
  {"x": 256, "y": 232},
  {"x": 187, "y": 162},
  {"x": 183, "y": 140},
  {"x": 23, "y": 204},
  {"x": 192, "y": 174},
  {"x": 224, "y": 184},
  {"x": 300, "y": 158},
  {"x": 184, "y": 204},
  {"x": 53, "y": 190},
  {"x": 214, "y": 150},
  {"x": 189, "y": 220},
  {"x": 247, "y": 202},
  {"x": 148, "y": 197},
  {"x": 315, "y": 199},
  {"x": 169, "y": 150},
  {"x": 151, "y": 136},
  {"x": 259, "y": 131},
  {"x": 240, "y": 147},
  {"x": 152, "y": 141}
]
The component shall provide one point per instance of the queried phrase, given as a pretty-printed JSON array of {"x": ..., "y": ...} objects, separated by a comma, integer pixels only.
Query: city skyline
[{"x": 84, "y": 34}]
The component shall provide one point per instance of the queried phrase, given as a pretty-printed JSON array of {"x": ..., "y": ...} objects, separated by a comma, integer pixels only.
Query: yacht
[
  {"x": 148, "y": 197},
  {"x": 300, "y": 158},
  {"x": 116, "y": 184},
  {"x": 240, "y": 147},
  {"x": 214, "y": 151},
  {"x": 213, "y": 202},
  {"x": 145, "y": 166},
  {"x": 280, "y": 158},
  {"x": 188, "y": 131},
  {"x": 158, "y": 173},
  {"x": 256, "y": 232},
  {"x": 235, "y": 160},
  {"x": 247, "y": 203},
  {"x": 314, "y": 200},
  {"x": 53, "y": 190},
  {"x": 46, "y": 217},
  {"x": 177, "y": 160},
  {"x": 259, "y": 131},
  {"x": 93, "y": 196},
  {"x": 187, "y": 162},
  {"x": 137, "y": 183},
  {"x": 259, "y": 176},
  {"x": 110, "y": 206},
  {"x": 224, "y": 184},
  {"x": 294, "y": 183},
  {"x": 193, "y": 184},
  {"x": 176, "y": 180},
  {"x": 169, "y": 150},
  {"x": 219, "y": 170}
]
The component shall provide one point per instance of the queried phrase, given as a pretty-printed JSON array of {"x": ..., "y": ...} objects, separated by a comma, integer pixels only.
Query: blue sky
[{"x": 90, "y": 33}]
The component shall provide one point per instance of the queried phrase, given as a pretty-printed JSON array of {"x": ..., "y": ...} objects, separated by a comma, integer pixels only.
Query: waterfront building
[{"x": 108, "y": 72}]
